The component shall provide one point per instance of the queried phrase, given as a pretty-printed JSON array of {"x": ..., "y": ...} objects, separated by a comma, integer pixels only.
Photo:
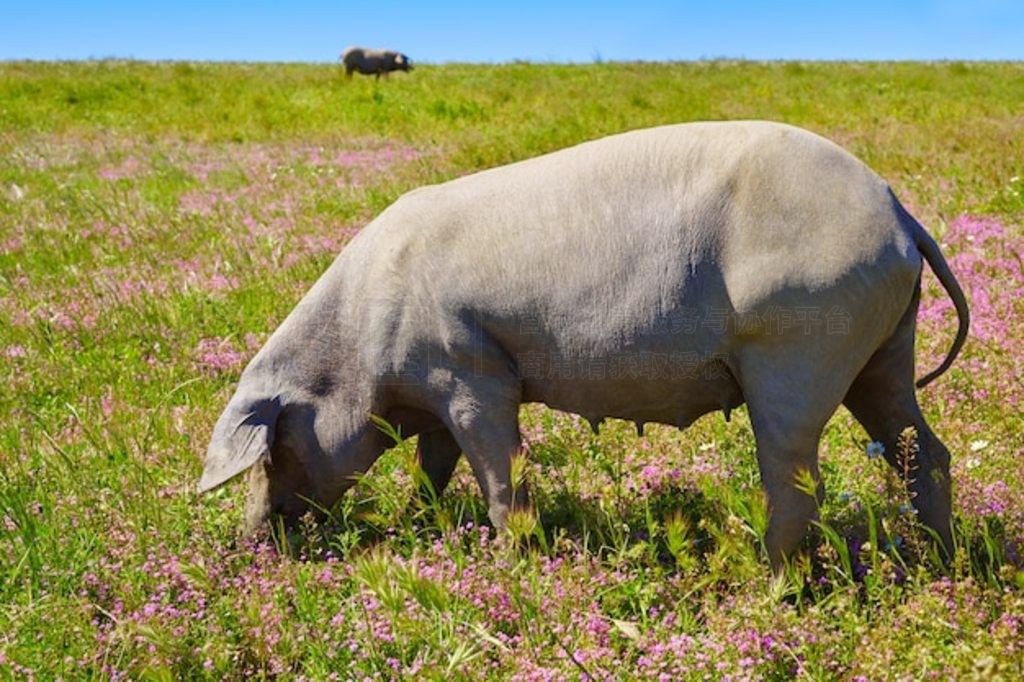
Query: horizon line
[{"x": 538, "y": 62}]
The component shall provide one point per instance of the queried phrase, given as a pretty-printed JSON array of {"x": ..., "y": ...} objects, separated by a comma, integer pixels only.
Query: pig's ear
[{"x": 242, "y": 437}]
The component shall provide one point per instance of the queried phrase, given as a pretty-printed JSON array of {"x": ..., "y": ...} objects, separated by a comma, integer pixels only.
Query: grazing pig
[
  {"x": 654, "y": 276},
  {"x": 376, "y": 62}
]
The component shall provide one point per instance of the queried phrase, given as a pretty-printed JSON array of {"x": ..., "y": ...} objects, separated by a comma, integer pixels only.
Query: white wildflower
[{"x": 978, "y": 445}]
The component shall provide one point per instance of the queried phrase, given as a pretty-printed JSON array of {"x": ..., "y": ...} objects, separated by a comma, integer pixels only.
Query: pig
[
  {"x": 655, "y": 276},
  {"x": 377, "y": 62}
]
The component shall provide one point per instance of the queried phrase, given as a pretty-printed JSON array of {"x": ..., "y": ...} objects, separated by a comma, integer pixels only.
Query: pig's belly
[{"x": 669, "y": 388}]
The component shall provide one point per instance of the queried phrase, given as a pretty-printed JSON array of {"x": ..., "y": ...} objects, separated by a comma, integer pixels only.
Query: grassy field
[{"x": 157, "y": 221}]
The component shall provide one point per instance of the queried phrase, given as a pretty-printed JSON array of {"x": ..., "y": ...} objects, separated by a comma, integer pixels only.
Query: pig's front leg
[{"x": 483, "y": 415}]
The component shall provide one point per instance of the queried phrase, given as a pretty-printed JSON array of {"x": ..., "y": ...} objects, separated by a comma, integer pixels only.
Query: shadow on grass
[{"x": 714, "y": 535}]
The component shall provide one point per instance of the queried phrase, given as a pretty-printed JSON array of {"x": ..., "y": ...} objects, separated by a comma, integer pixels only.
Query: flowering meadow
[{"x": 158, "y": 221}]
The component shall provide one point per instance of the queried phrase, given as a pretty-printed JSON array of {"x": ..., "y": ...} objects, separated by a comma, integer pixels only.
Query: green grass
[{"x": 157, "y": 221}]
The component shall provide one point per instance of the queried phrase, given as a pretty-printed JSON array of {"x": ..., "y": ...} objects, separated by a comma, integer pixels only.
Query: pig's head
[
  {"x": 403, "y": 63},
  {"x": 297, "y": 448}
]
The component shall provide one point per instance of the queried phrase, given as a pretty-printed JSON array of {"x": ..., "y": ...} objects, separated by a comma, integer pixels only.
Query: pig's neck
[{"x": 313, "y": 358}]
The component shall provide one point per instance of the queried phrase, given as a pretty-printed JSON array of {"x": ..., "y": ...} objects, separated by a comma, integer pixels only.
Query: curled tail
[{"x": 930, "y": 250}]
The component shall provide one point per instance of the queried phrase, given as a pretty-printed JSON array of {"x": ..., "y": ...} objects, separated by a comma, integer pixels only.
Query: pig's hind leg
[
  {"x": 883, "y": 400},
  {"x": 790, "y": 397}
]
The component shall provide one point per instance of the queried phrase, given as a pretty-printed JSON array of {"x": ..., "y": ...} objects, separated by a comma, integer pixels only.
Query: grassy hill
[{"x": 157, "y": 221}]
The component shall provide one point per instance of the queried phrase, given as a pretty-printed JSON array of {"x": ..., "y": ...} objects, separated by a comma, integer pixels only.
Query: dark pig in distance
[{"x": 374, "y": 62}]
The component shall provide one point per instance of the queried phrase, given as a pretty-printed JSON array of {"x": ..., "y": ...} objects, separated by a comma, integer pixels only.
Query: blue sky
[{"x": 489, "y": 31}]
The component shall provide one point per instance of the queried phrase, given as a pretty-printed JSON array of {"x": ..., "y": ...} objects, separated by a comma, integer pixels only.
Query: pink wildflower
[
  {"x": 15, "y": 352},
  {"x": 218, "y": 354}
]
